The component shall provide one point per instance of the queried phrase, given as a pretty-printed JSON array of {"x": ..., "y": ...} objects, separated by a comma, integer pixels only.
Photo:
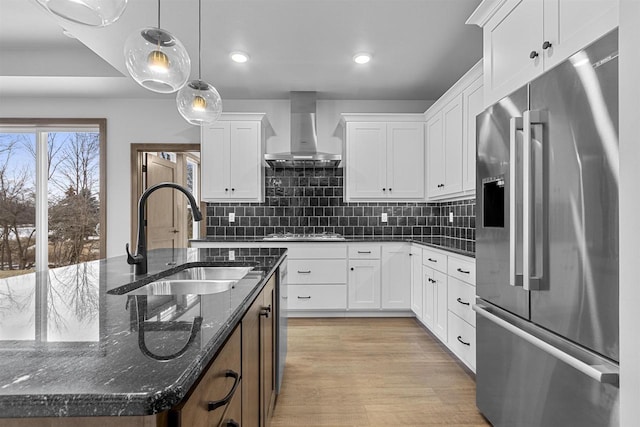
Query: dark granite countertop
[
  {"x": 438, "y": 242},
  {"x": 69, "y": 347}
]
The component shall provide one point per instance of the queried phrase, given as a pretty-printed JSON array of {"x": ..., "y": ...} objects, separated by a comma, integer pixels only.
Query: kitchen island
[{"x": 73, "y": 343}]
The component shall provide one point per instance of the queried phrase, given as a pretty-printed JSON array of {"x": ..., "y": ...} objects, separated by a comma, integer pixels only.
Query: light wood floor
[{"x": 371, "y": 372}]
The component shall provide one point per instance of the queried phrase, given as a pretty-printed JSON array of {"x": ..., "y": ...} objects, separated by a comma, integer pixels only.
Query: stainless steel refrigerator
[{"x": 547, "y": 247}]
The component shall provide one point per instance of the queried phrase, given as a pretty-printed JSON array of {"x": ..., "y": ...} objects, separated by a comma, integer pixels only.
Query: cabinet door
[
  {"x": 452, "y": 124},
  {"x": 214, "y": 149},
  {"x": 473, "y": 103},
  {"x": 416, "y": 281},
  {"x": 366, "y": 162},
  {"x": 509, "y": 38},
  {"x": 267, "y": 344},
  {"x": 364, "y": 284},
  {"x": 428, "y": 297},
  {"x": 441, "y": 306},
  {"x": 251, "y": 361},
  {"x": 396, "y": 277},
  {"x": 244, "y": 159},
  {"x": 405, "y": 161},
  {"x": 435, "y": 155},
  {"x": 214, "y": 386},
  {"x": 570, "y": 25}
]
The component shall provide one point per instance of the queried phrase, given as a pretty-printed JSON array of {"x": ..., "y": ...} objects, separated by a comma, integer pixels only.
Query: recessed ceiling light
[
  {"x": 361, "y": 58},
  {"x": 240, "y": 57}
]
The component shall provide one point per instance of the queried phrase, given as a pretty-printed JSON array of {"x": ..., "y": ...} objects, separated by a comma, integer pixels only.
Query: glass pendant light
[
  {"x": 199, "y": 102},
  {"x": 156, "y": 59},
  {"x": 95, "y": 13}
]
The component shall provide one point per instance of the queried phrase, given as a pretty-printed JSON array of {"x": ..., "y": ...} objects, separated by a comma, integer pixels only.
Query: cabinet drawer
[
  {"x": 461, "y": 298},
  {"x": 314, "y": 251},
  {"x": 364, "y": 251},
  {"x": 318, "y": 271},
  {"x": 317, "y": 297},
  {"x": 434, "y": 260},
  {"x": 462, "y": 340},
  {"x": 463, "y": 270}
]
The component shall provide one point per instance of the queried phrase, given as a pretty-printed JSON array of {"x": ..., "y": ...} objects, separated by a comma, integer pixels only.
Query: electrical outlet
[
  {"x": 384, "y": 217},
  {"x": 451, "y": 216},
  {"x": 232, "y": 217},
  {"x": 232, "y": 255}
]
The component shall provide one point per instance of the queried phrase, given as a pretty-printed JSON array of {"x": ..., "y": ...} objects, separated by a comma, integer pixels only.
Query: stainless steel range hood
[{"x": 304, "y": 138}]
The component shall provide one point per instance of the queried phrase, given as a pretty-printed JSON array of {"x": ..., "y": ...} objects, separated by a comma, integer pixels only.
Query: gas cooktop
[{"x": 304, "y": 237}]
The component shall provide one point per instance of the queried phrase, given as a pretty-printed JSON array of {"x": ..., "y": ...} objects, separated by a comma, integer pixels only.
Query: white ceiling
[{"x": 420, "y": 48}]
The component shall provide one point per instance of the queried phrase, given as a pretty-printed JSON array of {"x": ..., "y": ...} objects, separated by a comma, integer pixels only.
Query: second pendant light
[{"x": 198, "y": 101}]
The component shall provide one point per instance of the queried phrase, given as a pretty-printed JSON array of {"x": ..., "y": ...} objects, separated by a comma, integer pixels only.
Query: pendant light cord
[
  {"x": 199, "y": 39},
  {"x": 158, "y": 14}
]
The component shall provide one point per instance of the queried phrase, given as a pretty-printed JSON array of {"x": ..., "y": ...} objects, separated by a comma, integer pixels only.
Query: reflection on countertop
[{"x": 70, "y": 347}]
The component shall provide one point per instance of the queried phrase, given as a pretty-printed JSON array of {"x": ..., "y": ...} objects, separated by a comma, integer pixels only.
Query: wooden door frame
[{"x": 136, "y": 162}]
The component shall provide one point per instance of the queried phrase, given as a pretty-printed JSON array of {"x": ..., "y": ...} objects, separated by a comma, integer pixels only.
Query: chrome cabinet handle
[
  {"x": 462, "y": 302},
  {"x": 465, "y": 343},
  {"x": 308, "y": 297},
  {"x": 463, "y": 271},
  {"x": 304, "y": 272},
  {"x": 225, "y": 400},
  {"x": 364, "y": 252}
]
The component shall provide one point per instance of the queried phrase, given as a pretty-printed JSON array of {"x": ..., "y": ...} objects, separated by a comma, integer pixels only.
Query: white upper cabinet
[
  {"x": 384, "y": 157},
  {"x": 473, "y": 104},
  {"x": 232, "y": 150},
  {"x": 523, "y": 38},
  {"x": 451, "y": 139}
]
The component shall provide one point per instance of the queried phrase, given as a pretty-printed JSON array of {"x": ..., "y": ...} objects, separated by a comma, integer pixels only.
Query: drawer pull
[
  {"x": 224, "y": 401},
  {"x": 431, "y": 280},
  {"x": 264, "y": 311},
  {"x": 309, "y": 297},
  {"x": 462, "y": 302},
  {"x": 232, "y": 423},
  {"x": 364, "y": 252},
  {"x": 304, "y": 272},
  {"x": 463, "y": 271},
  {"x": 465, "y": 343},
  {"x": 432, "y": 260}
]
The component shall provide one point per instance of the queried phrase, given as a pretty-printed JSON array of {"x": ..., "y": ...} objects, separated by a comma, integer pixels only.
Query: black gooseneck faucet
[{"x": 139, "y": 260}]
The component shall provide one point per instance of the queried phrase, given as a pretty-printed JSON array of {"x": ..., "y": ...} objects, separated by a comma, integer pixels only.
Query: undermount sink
[
  {"x": 184, "y": 287},
  {"x": 195, "y": 281}
]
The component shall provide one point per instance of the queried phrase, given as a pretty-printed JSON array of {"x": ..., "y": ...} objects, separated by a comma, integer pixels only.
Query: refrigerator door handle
[
  {"x": 515, "y": 125},
  {"x": 601, "y": 373},
  {"x": 532, "y": 236}
]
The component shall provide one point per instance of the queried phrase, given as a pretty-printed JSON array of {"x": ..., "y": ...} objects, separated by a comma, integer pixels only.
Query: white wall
[
  {"x": 157, "y": 121},
  {"x": 629, "y": 207}
]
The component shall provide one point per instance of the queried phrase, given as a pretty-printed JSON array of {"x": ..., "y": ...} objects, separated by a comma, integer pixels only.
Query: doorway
[{"x": 169, "y": 220}]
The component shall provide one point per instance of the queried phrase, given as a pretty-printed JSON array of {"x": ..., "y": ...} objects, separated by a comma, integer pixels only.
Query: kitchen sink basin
[
  {"x": 195, "y": 281},
  {"x": 184, "y": 287},
  {"x": 210, "y": 273}
]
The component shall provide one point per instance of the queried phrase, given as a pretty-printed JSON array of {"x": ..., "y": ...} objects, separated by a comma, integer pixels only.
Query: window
[{"x": 52, "y": 209}]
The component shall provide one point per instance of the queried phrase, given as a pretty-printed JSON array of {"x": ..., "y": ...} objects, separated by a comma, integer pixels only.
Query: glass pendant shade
[
  {"x": 157, "y": 60},
  {"x": 95, "y": 13},
  {"x": 199, "y": 103}
]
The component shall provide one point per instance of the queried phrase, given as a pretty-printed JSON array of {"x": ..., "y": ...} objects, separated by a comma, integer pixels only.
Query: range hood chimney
[{"x": 304, "y": 138}]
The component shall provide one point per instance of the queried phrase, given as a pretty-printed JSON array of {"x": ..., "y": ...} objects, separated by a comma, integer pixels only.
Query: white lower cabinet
[
  {"x": 317, "y": 297},
  {"x": 364, "y": 284},
  {"x": 396, "y": 277},
  {"x": 448, "y": 294},
  {"x": 416, "y": 281},
  {"x": 462, "y": 340}
]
